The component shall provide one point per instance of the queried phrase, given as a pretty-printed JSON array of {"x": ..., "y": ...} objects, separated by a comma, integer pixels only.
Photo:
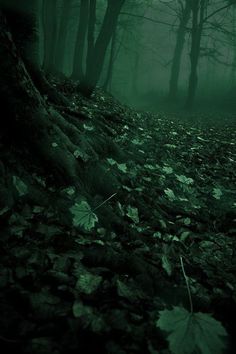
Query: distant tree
[
  {"x": 109, "y": 74},
  {"x": 77, "y": 71},
  {"x": 198, "y": 9},
  {"x": 199, "y": 18},
  {"x": 96, "y": 49},
  {"x": 63, "y": 27},
  {"x": 185, "y": 11},
  {"x": 233, "y": 67}
]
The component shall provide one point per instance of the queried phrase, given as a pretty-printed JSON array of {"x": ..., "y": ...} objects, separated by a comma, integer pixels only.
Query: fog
[{"x": 141, "y": 53}]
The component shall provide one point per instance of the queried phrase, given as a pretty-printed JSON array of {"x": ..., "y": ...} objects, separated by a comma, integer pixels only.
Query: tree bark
[
  {"x": 29, "y": 120},
  {"x": 108, "y": 81},
  {"x": 180, "y": 40},
  {"x": 198, "y": 10},
  {"x": 96, "y": 53},
  {"x": 62, "y": 35},
  {"x": 91, "y": 34},
  {"x": 233, "y": 70},
  {"x": 78, "y": 72}
]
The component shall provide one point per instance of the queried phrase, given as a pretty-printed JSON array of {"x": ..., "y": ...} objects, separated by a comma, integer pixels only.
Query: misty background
[{"x": 140, "y": 54}]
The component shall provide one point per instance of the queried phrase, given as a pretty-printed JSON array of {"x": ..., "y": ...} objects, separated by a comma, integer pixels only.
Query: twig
[
  {"x": 187, "y": 284},
  {"x": 104, "y": 202}
]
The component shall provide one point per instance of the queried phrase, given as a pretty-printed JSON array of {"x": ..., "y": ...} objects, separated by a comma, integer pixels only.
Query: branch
[
  {"x": 148, "y": 19},
  {"x": 216, "y": 11}
]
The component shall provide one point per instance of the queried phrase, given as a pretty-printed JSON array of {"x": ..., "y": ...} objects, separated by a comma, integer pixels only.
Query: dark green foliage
[
  {"x": 101, "y": 288},
  {"x": 97, "y": 204}
]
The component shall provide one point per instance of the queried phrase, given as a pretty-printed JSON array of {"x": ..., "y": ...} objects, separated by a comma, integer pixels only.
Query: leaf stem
[
  {"x": 187, "y": 284},
  {"x": 104, "y": 202}
]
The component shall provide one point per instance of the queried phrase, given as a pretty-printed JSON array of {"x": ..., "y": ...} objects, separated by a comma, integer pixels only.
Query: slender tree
[
  {"x": 199, "y": 18},
  {"x": 198, "y": 8},
  {"x": 233, "y": 68},
  {"x": 60, "y": 49},
  {"x": 179, "y": 45},
  {"x": 108, "y": 80},
  {"x": 96, "y": 51},
  {"x": 78, "y": 72},
  {"x": 91, "y": 34}
]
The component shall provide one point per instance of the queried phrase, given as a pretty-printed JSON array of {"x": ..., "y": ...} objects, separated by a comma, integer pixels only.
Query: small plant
[
  {"x": 83, "y": 214},
  {"x": 189, "y": 331}
]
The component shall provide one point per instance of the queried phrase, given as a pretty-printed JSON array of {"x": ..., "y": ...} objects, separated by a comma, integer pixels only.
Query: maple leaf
[
  {"x": 217, "y": 193},
  {"x": 83, "y": 215},
  {"x": 192, "y": 332}
]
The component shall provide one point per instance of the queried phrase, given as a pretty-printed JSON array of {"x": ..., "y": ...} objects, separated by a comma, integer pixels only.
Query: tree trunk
[
  {"x": 28, "y": 118},
  {"x": 78, "y": 72},
  {"x": 50, "y": 28},
  {"x": 233, "y": 69},
  {"x": 180, "y": 40},
  {"x": 198, "y": 9},
  {"x": 135, "y": 74},
  {"x": 62, "y": 35},
  {"x": 91, "y": 34},
  {"x": 108, "y": 81},
  {"x": 96, "y": 55},
  {"x": 24, "y": 15}
]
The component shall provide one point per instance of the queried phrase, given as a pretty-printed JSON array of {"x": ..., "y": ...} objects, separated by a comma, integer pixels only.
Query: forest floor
[{"x": 78, "y": 275}]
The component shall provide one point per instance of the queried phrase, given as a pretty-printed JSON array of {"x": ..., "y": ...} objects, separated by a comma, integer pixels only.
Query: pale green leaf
[
  {"x": 111, "y": 162},
  {"x": 150, "y": 167},
  {"x": 185, "y": 180},
  {"x": 187, "y": 221},
  {"x": 167, "y": 170},
  {"x": 20, "y": 186},
  {"x": 88, "y": 127},
  {"x": 166, "y": 265},
  {"x": 170, "y": 146},
  {"x": 157, "y": 234},
  {"x": 136, "y": 142},
  {"x": 217, "y": 193},
  {"x": 128, "y": 189},
  {"x": 122, "y": 167},
  {"x": 88, "y": 283},
  {"x": 192, "y": 332},
  {"x": 132, "y": 213},
  {"x": 170, "y": 194},
  {"x": 83, "y": 155},
  {"x": 147, "y": 179},
  {"x": 83, "y": 215},
  {"x": 69, "y": 190},
  {"x": 184, "y": 235}
]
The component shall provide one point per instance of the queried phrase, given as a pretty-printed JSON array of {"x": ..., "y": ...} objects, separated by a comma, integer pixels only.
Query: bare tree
[
  {"x": 63, "y": 28},
  {"x": 185, "y": 11},
  {"x": 96, "y": 49},
  {"x": 199, "y": 18},
  {"x": 78, "y": 72}
]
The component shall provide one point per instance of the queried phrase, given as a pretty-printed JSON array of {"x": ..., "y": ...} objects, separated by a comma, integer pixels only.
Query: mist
[{"x": 141, "y": 54}]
